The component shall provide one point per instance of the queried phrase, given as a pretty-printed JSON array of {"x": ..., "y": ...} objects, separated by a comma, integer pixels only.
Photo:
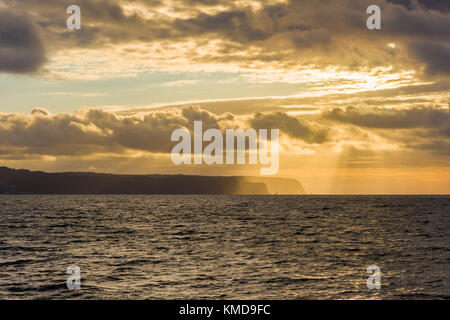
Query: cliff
[{"x": 36, "y": 182}]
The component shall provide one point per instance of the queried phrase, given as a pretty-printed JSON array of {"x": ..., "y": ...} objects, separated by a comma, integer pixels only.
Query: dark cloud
[
  {"x": 438, "y": 5},
  {"x": 439, "y": 147},
  {"x": 40, "y": 111},
  {"x": 406, "y": 3},
  {"x": 421, "y": 129},
  {"x": 234, "y": 25},
  {"x": 382, "y": 118},
  {"x": 192, "y": 114},
  {"x": 94, "y": 131},
  {"x": 307, "y": 131},
  {"x": 21, "y": 46},
  {"x": 434, "y": 55},
  {"x": 149, "y": 132},
  {"x": 416, "y": 24},
  {"x": 282, "y": 35}
]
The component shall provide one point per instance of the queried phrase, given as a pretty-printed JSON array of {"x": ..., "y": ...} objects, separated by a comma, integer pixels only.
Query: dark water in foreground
[{"x": 224, "y": 247}]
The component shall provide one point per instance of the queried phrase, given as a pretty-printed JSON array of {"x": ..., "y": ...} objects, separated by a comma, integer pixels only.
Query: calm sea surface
[{"x": 224, "y": 247}]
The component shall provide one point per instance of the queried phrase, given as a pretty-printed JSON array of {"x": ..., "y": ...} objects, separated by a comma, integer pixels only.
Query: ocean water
[{"x": 224, "y": 247}]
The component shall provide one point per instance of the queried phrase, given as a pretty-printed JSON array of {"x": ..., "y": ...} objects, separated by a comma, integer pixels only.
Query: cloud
[
  {"x": 434, "y": 55},
  {"x": 425, "y": 129},
  {"x": 438, "y": 5},
  {"x": 93, "y": 136},
  {"x": 307, "y": 131},
  {"x": 94, "y": 131},
  {"x": 40, "y": 111},
  {"x": 272, "y": 35},
  {"x": 417, "y": 24},
  {"x": 21, "y": 45},
  {"x": 391, "y": 118}
]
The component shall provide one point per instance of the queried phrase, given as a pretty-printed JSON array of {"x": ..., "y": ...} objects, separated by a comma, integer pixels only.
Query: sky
[{"x": 359, "y": 111}]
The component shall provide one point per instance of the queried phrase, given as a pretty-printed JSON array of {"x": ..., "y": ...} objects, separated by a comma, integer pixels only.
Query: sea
[{"x": 224, "y": 247}]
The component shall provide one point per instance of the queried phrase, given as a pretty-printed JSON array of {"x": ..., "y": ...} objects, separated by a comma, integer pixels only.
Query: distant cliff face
[{"x": 36, "y": 182}]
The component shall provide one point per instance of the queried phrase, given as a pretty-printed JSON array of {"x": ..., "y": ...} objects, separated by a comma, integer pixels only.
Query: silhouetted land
[{"x": 36, "y": 182}]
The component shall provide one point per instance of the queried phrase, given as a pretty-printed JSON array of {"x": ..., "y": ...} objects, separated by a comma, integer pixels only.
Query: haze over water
[{"x": 226, "y": 247}]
